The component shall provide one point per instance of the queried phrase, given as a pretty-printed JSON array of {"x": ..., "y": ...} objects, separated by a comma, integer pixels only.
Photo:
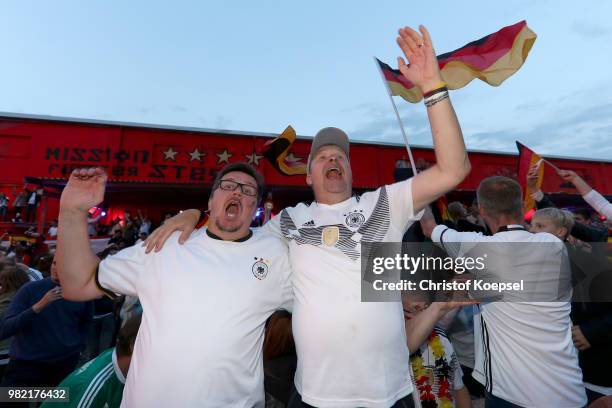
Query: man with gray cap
[{"x": 352, "y": 353}]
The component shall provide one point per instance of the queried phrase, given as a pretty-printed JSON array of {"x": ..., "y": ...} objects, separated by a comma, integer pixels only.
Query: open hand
[
  {"x": 51, "y": 296},
  {"x": 423, "y": 69},
  {"x": 185, "y": 222}
]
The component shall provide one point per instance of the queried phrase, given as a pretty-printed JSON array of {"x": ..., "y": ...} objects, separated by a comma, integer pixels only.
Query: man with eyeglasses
[
  {"x": 229, "y": 277},
  {"x": 353, "y": 353}
]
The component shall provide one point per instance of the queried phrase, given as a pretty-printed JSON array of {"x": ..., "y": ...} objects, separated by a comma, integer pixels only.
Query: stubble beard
[{"x": 232, "y": 229}]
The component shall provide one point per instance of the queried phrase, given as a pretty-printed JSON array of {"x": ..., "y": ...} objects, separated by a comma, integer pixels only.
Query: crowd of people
[
  {"x": 45, "y": 337},
  {"x": 232, "y": 316},
  {"x": 24, "y": 206}
]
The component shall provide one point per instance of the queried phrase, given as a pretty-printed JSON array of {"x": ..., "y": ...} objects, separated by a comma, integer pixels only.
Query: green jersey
[{"x": 97, "y": 384}]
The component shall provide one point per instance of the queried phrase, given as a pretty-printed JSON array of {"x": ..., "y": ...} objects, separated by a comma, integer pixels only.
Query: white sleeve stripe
[
  {"x": 487, "y": 352},
  {"x": 93, "y": 392},
  {"x": 95, "y": 386},
  {"x": 442, "y": 239}
]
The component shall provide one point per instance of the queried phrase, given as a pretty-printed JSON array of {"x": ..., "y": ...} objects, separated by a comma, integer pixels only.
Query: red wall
[{"x": 51, "y": 148}]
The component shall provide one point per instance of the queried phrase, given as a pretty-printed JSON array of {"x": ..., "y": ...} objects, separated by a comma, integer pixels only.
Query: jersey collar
[
  {"x": 511, "y": 227},
  {"x": 215, "y": 236}
]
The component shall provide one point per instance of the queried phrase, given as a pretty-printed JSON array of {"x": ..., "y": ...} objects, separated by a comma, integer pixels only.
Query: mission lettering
[{"x": 130, "y": 164}]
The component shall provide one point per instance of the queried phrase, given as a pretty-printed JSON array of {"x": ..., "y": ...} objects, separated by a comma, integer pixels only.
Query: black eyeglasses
[{"x": 230, "y": 185}]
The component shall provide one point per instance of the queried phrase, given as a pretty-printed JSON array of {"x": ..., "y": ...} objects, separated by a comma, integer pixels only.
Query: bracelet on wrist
[
  {"x": 202, "y": 217},
  {"x": 440, "y": 86},
  {"x": 435, "y": 98}
]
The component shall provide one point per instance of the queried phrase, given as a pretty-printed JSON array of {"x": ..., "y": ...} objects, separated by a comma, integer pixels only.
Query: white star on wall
[
  {"x": 224, "y": 157},
  {"x": 170, "y": 154},
  {"x": 253, "y": 158},
  {"x": 196, "y": 155}
]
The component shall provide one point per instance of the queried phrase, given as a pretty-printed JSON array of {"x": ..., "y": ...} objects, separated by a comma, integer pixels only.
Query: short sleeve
[
  {"x": 119, "y": 273},
  {"x": 456, "y": 243},
  {"x": 401, "y": 205}
]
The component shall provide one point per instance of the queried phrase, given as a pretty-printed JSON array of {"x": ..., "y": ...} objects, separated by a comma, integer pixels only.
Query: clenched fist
[{"x": 85, "y": 189}]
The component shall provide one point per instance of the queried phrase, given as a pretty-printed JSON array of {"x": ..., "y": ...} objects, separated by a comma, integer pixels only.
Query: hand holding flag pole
[{"x": 531, "y": 173}]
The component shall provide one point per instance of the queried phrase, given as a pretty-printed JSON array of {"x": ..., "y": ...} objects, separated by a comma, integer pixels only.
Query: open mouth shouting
[
  {"x": 233, "y": 208},
  {"x": 333, "y": 173}
]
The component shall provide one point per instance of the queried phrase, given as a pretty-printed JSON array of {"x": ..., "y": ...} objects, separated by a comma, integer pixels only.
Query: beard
[{"x": 227, "y": 228}]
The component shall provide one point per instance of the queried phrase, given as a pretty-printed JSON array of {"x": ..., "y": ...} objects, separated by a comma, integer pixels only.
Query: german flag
[
  {"x": 491, "y": 59},
  {"x": 527, "y": 158},
  {"x": 276, "y": 151},
  {"x": 443, "y": 209},
  {"x": 398, "y": 84}
]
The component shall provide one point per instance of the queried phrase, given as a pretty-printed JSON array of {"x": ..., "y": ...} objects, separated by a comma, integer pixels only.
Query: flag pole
[
  {"x": 551, "y": 165},
  {"x": 399, "y": 120},
  {"x": 415, "y": 397}
]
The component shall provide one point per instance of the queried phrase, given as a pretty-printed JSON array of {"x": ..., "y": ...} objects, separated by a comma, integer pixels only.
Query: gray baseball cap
[{"x": 330, "y": 136}]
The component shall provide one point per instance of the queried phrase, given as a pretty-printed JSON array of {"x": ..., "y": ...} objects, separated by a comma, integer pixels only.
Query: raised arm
[
  {"x": 452, "y": 163},
  {"x": 592, "y": 197},
  {"x": 571, "y": 176},
  {"x": 76, "y": 262}
]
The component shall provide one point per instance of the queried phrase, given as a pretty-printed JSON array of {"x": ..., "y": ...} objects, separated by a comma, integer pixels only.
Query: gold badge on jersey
[{"x": 330, "y": 235}]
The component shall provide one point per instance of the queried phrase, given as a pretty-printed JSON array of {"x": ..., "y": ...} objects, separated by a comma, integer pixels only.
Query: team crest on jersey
[
  {"x": 260, "y": 268},
  {"x": 330, "y": 235},
  {"x": 355, "y": 219}
]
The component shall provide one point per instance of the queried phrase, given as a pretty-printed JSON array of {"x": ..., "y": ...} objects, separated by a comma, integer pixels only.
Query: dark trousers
[
  {"x": 21, "y": 373},
  {"x": 475, "y": 388},
  {"x": 31, "y": 213},
  {"x": 296, "y": 402}
]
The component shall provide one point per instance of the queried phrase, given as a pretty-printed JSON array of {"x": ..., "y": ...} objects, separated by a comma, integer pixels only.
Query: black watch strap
[{"x": 202, "y": 217}]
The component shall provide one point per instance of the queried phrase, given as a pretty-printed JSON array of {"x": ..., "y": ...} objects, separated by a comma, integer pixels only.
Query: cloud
[
  {"x": 527, "y": 106},
  {"x": 585, "y": 133},
  {"x": 578, "y": 132},
  {"x": 146, "y": 110},
  {"x": 589, "y": 31},
  {"x": 178, "y": 108},
  {"x": 381, "y": 124}
]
